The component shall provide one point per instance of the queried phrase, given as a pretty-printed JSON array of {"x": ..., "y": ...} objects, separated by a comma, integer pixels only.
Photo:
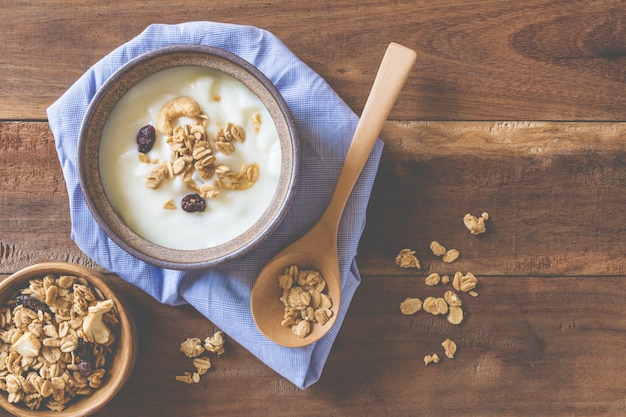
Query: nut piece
[
  {"x": 94, "y": 329},
  {"x": 27, "y": 345},
  {"x": 449, "y": 347},
  {"x": 410, "y": 306},
  {"x": 406, "y": 259},
  {"x": 474, "y": 224},
  {"x": 437, "y": 248},
  {"x": 450, "y": 256},
  {"x": 172, "y": 110}
]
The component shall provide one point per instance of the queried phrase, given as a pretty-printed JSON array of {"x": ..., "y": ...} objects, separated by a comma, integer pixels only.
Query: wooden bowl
[
  {"x": 89, "y": 146},
  {"x": 120, "y": 364}
]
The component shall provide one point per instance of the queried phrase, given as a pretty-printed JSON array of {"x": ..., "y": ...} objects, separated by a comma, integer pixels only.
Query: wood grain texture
[
  {"x": 555, "y": 193},
  {"x": 477, "y": 60},
  {"x": 529, "y": 346},
  {"x": 514, "y": 108}
]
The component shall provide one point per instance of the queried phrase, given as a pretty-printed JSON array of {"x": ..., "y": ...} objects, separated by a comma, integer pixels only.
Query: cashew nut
[
  {"x": 172, "y": 110},
  {"x": 27, "y": 345},
  {"x": 94, "y": 329}
]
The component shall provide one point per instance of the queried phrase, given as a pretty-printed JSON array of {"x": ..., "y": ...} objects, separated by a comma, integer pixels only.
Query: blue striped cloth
[{"x": 325, "y": 126}]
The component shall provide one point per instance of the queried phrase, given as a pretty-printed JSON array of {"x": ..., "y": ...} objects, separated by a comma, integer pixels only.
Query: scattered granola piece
[
  {"x": 428, "y": 359},
  {"x": 186, "y": 378},
  {"x": 473, "y": 293},
  {"x": 445, "y": 279},
  {"x": 449, "y": 347},
  {"x": 410, "y": 306},
  {"x": 451, "y": 256},
  {"x": 256, "y": 122},
  {"x": 406, "y": 259},
  {"x": 169, "y": 204},
  {"x": 215, "y": 343},
  {"x": 202, "y": 364},
  {"x": 452, "y": 299},
  {"x": 467, "y": 282},
  {"x": 432, "y": 279},
  {"x": 192, "y": 347},
  {"x": 474, "y": 224},
  {"x": 437, "y": 248},
  {"x": 455, "y": 315},
  {"x": 430, "y": 305},
  {"x": 441, "y": 306},
  {"x": 456, "y": 281}
]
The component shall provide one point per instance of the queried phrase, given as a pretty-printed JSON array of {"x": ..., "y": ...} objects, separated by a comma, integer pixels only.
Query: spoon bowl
[
  {"x": 317, "y": 249},
  {"x": 270, "y": 309}
]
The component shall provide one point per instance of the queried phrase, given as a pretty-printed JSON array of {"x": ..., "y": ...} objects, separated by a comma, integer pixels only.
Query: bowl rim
[
  {"x": 184, "y": 55},
  {"x": 127, "y": 335}
]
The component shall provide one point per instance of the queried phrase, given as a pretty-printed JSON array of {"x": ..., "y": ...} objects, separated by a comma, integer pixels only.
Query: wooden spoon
[{"x": 317, "y": 249}]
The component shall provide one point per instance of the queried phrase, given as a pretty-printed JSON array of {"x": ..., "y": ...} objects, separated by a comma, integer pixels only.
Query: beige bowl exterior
[
  {"x": 89, "y": 164},
  {"x": 123, "y": 358}
]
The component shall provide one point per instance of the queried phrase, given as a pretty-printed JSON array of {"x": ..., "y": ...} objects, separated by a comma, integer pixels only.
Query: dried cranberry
[
  {"x": 146, "y": 138},
  {"x": 193, "y": 202},
  {"x": 32, "y": 304},
  {"x": 85, "y": 368}
]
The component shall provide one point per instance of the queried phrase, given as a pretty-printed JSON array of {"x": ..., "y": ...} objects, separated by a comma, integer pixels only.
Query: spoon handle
[{"x": 392, "y": 74}]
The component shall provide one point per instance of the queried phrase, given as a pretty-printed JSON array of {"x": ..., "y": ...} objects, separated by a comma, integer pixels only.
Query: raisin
[
  {"x": 85, "y": 368},
  {"x": 193, "y": 202},
  {"x": 146, "y": 138},
  {"x": 84, "y": 351},
  {"x": 32, "y": 304}
]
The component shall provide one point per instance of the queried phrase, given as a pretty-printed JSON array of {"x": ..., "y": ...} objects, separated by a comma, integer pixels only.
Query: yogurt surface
[{"x": 224, "y": 99}]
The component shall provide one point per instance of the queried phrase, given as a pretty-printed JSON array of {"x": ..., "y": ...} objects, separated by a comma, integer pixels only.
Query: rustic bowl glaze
[
  {"x": 124, "y": 355},
  {"x": 89, "y": 165}
]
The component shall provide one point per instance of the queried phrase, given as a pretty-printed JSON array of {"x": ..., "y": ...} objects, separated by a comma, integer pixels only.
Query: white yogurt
[{"x": 124, "y": 176}]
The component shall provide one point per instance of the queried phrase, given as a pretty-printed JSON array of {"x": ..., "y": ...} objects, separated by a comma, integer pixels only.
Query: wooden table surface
[{"x": 514, "y": 108}]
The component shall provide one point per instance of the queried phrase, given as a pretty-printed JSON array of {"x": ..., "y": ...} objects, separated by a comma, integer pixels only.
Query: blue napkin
[{"x": 325, "y": 125}]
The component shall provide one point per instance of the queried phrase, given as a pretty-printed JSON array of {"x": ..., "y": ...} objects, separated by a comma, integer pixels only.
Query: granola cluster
[
  {"x": 305, "y": 300},
  {"x": 194, "y": 156},
  {"x": 56, "y": 336}
]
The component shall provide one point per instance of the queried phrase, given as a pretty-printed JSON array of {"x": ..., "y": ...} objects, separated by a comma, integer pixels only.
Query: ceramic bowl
[
  {"x": 124, "y": 348},
  {"x": 91, "y": 139}
]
